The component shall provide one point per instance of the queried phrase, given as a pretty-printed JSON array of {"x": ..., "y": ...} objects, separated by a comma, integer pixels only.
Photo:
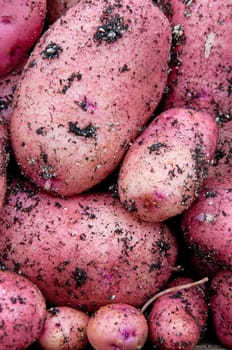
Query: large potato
[
  {"x": 21, "y": 23},
  {"x": 91, "y": 83},
  {"x": 201, "y": 73},
  {"x": 164, "y": 169},
  {"x": 84, "y": 251},
  {"x": 22, "y": 311},
  {"x": 207, "y": 227}
]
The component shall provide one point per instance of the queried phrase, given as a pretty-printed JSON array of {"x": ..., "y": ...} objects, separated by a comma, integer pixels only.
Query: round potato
[
  {"x": 207, "y": 227},
  {"x": 89, "y": 87},
  {"x": 23, "y": 311},
  {"x": 84, "y": 251},
  {"x": 117, "y": 326},
  {"x": 21, "y": 23},
  {"x": 164, "y": 169},
  {"x": 64, "y": 329}
]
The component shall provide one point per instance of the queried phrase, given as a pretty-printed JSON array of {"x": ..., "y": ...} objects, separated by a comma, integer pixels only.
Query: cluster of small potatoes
[{"x": 115, "y": 174}]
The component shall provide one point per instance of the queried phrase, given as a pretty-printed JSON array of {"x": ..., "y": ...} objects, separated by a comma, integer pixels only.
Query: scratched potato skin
[
  {"x": 200, "y": 66},
  {"x": 87, "y": 91},
  {"x": 84, "y": 251}
]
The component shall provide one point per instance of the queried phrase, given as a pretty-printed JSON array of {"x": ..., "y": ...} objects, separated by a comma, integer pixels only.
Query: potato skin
[
  {"x": 4, "y": 159},
  {"x": 200, "y": 68},
  {"x": 21, "y": 23},
  {"x": 207, "y": 230},
  {"x": 117, "y": 326},
  {"x": 86, "y": 95},
  {"x": 57, "y": 8},
  {"x": 64, "y": 329},
  {"x": 23, "y": 311},
  {"x": 84, "y": 251},
  {"x": 164, "y": 169},
  {"x": 220, "y": 305},
  {"x": 178, "y": 319}
]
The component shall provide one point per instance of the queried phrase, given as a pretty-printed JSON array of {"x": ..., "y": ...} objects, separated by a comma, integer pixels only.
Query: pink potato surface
[
  {"x": 117, "y": 326},
  {"x": 178, "y": 319},
  {"x": 21, "y": 23},
  {"x": 4, "y": 159},
  {"x": 64, "y": 329},
  {"x": 201, "y": 56},
  {"x": 84, "y": 251},
  {"x": 220, "y": 306},
  {"x": 57, "y": 8},
  {"x": 164, "y": 169},
  {"x": 89, "y": 87},
  {"x": 207, "y": 227},
  {"x": 23, "y": 311},
  {"x": 8, "y": 86}
]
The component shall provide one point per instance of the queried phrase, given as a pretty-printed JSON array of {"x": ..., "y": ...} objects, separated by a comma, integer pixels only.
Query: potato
[
  {"x": 57, "y": 8},
  {"x": 220, "y": 306},
  {"x": 64, "y": 329},
  {"x": 84, "y": 251},
  {"x": 207, "y": 227},
  {"x": 117, "y": 326},
  {"x": 23, "y": 311},
  {"x": 178, "y": 319},
  {"x": 21, "y": 23},
  {"x": 164, "y": 169},
  {"x": 4, "y": 159},
  {"x": 221, "y": 165},
  {"x": 89, "y": 87},
  {"x": 8, "y": 85},
  {"x": 201, "y": 57}
]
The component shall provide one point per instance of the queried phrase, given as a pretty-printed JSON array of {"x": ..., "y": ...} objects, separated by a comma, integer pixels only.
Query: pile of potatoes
[{"x": 115, "y": 174}]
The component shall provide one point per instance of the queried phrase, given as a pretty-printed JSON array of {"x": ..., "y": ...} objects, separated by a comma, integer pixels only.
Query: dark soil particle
[
  {"x": 155, "y": 147},
  {"x": 112, "y": 27},
  {"x": 51, "y": 51},
  {"x": 5, "y": 102},
  {"x": 87, "y": 132},
  {"x": 80, "y": 277}
]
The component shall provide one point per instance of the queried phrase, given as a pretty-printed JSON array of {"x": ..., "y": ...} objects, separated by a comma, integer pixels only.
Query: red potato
[
  {"x": 117, "y": 326},
  {"x": 220, "y": 306},
  {"x": 178, "y": 319},
  {"x": 64, "y": 329},
  {"x": 84, "y": 251},
  {"x": 57, "y": 8},
  {"x": 207, "y": 227},
  {"x": 200, "y": 68},
  {"x": 163, "y": 171},
  {"x": 4, "y": 159},
  {"x": 8, "y": 85},
  {"x": 89, "y": 87},
  {"x": 21, "y": 23},
  {"x": 23, "y": 311},
  {"x": 221, "y": 165}
]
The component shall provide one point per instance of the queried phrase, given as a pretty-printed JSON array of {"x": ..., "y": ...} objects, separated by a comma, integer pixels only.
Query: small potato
[
  {"x": 4, "y": 159},
  {"x": 23, "y": 311},
  {"x": 64, "y": 329},
  {"x": 207, "y": 227},
  {"x": 21, "y": 23},
  {"x": 165, "y": 167},
  {"x": 84, "y": 251},
  {"x": 220, "y": 305},
  {"x": 200, "y": 68},
  {"x": 178, "y": 319},
  {"x": 89, "y": 87},
  {"x": 117, "y": 326}
]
